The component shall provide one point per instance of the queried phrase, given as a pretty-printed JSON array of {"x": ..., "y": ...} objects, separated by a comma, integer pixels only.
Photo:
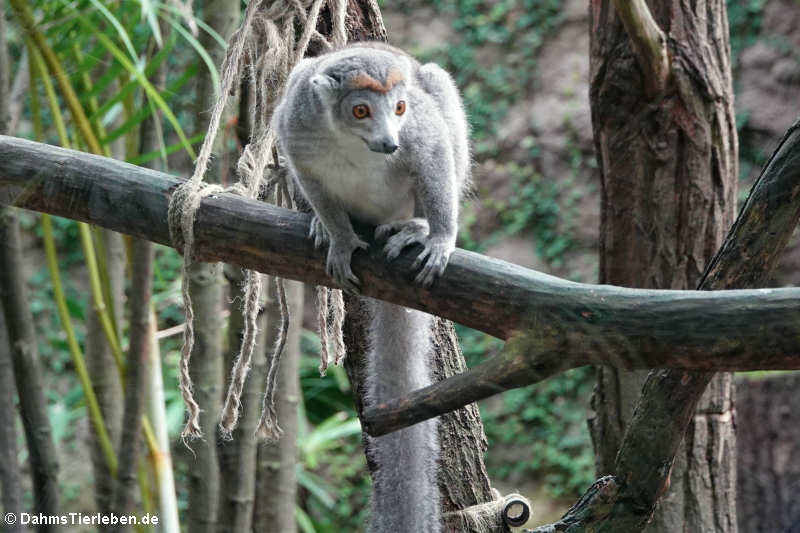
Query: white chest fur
[{"x": 366, "y": 182}]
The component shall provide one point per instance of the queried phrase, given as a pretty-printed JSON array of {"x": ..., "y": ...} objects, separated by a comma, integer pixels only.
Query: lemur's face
[
  {"x": 370, "y": 109},
  {"x": 375, "y": 117}
]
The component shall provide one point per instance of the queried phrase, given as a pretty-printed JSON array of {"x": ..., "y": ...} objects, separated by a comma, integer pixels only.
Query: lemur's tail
[{"x": 405, "y": 496}]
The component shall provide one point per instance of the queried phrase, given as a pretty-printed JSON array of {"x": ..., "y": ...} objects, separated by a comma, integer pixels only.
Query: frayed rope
[{"x": 266, "y": 36}]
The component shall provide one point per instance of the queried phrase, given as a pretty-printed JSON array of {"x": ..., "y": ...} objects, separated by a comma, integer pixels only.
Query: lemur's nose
[{"x": 388, "y": 147}]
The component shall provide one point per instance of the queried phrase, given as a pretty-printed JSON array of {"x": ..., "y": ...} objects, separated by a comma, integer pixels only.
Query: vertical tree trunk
[
  {"x": 27, "y": 373},
  {"x": 142, "y": 259},
  {"x": 276, "y": 485},
  {"x": 668, "y": 169},
  {"x": 237, "y": 457},
  {"x": 10, "y": 479},
  {"x": 205, "y": 287},
  {"x": 768, "y": 445},
  {"x": 103, "y": 369}
]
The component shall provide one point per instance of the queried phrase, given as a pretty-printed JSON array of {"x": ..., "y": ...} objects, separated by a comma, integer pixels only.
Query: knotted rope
[{"x": 266, "y": 45}]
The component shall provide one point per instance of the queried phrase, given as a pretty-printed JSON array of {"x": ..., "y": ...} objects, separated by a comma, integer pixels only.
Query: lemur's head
[{"x": 367, "y": 94}]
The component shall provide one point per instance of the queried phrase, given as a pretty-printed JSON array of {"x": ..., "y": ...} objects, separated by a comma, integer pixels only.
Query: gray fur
[{"x": 348, "y": 168}]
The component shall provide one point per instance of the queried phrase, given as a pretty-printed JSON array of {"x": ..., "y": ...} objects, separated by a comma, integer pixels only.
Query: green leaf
[
  {"x": 151, "y": 91},
  {"x": 121, "y": 31},
  {"x": 201, "y": 51},
  {"x": 303, "y": 520}
]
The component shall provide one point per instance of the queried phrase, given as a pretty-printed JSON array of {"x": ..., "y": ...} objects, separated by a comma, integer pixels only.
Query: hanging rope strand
[{"x": 268, "y": 41}]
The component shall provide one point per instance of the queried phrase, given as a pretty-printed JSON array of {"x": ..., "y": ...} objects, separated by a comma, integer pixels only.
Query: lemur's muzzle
[{"x": 384, "y": 146}]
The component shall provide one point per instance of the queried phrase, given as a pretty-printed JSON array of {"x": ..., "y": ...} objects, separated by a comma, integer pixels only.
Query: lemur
[{"x": 372, "y": 135}]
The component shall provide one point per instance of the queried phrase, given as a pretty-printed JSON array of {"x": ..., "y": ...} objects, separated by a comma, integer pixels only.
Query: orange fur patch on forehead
[{"x": 365, "y": 81}]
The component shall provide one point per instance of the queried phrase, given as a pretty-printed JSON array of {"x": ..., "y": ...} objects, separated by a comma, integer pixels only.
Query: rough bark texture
[
  {"x": 668, "y": 167},
  {"x": 237, "y": 457},
  {"x": 768, "y": 445},
  {"x": 276, "y": 484},
  {"x": 142, "y": 259},
  {"x": 103, "y": 368},
  {"x": 205, "y": 288},
  {"x": 27, "y": 373},
  {"x": 10, "y": 478}
]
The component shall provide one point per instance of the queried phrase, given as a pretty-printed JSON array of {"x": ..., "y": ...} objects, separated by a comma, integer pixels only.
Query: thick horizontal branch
[
  {"x": 663, "y": 329},
  {"x": 555, "y": 324}
]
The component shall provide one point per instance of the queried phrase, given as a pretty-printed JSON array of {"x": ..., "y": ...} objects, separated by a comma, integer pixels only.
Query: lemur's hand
[
  {"x": 436, "y": 250},
  {"x": 406, "y": 233},
  {"x": 338, "y": 268}
]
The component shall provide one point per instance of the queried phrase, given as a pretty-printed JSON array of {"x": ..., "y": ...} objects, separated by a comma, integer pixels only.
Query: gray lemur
[{"x": 372, "y": 135}]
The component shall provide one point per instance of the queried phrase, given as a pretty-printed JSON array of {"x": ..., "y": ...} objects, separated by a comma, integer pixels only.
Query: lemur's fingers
[
  {"x": 421, "y": 257},
  {"x": 433, "y": 268},
  {"x": 318, "y": 233},
  {"x": 411, "y": 226},
  {"x": 398, "y": 242},
  {"x": 338, "y": 267}
]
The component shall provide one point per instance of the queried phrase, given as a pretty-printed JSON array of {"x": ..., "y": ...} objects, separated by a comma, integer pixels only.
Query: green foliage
[
  {"x": 744, "y": 21},
  {"x": 510, "y": 29},
  {"x": 332, "y": 471},
  {"x": 537, "y": 432},
  {"x": 543, "y": 430}
]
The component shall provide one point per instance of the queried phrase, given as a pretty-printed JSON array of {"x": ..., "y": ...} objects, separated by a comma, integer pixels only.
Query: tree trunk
[
  {"x": 668, "y": 168},
  {"x": 27, "y": 373},
  {"x": 102, "y": 367},
  {"x": 768, "y": 445},
  {"x": 10, "y": 478},
  {"x": 205, "y": 288},
  {"x": 276, "y": 485}
]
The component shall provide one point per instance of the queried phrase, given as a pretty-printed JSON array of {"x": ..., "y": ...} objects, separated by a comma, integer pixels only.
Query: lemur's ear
[{"x": 324, "y": 84}]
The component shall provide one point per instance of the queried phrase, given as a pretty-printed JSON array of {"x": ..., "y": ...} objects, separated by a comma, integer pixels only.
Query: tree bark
[
  {"x": 142, "y": 259},
  {"x": 103, "y": 368},
  {"x": 276, "y": 483},
  {"x": 10, "y": 477},
  {"x": 768, "y": 444},
  {"x": 668, "y": 168},
  {"x": 205, "y": 289},
  {"x": 27, "y": 373}
]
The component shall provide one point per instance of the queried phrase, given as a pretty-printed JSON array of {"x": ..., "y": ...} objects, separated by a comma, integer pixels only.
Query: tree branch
[
  {"x": 553, "y": 323},
  {"x": 649, "y": 44}
]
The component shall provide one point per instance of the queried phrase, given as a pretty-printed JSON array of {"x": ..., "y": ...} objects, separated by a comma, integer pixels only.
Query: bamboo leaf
[
  {"x": 121, "y": 31},
  {"x": 149, "y": 14},
  {"x": 201, "y": 51},
  {"x": 151, "y": 91}
]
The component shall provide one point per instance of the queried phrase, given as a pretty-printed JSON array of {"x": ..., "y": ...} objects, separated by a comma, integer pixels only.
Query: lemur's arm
[
  {"x": 438, "y": 194},
  {"x": 335, "y": 229}
]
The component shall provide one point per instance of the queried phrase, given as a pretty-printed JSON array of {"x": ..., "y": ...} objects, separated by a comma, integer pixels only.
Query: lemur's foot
[
  {"x": 406, "y": 233},
  {"x": 318, "y": 233},
  {"x": 338, "y": 263},
  {"x": 436, "y": 250}
]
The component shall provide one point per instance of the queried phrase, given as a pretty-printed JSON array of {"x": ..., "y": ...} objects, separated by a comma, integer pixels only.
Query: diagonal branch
[{"x": 649, "y": 44}]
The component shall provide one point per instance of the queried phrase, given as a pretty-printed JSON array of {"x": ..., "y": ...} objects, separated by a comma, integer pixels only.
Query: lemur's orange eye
[
  {"x": 361, "y": 111},
  {"x": 400, "y": 108}
]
